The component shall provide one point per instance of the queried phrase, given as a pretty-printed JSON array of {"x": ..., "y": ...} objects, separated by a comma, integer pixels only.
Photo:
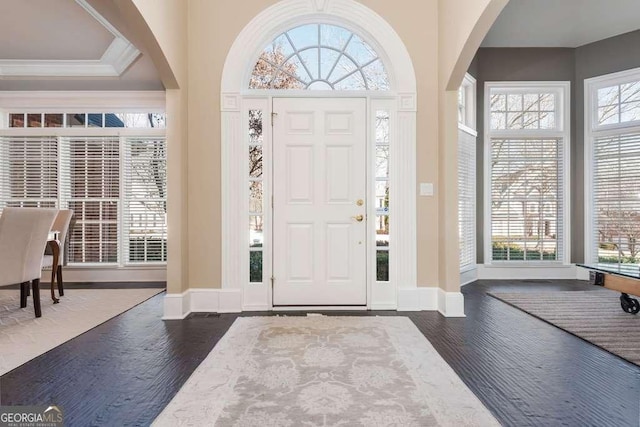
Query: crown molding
[{"x": 115, "y": 60}]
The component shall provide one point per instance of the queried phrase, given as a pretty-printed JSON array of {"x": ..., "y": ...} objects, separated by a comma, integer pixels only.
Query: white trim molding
[
  {"x": 237, "y": 99},
  {"x": 111, "y": 274},
  {"x": 99, "y": 101},
  {"x": 527, "y": 269},
  {"x": 520, "y": 272},
  {"x": 450, "y": 304},
  {"x": 119, "y": 55},
  {"x": 201, "y": 300}
]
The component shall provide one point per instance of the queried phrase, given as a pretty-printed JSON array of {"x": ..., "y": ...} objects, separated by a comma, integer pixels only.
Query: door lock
[
  {"x": 360, "y": 202},
  {"x": 358, "y": 218}
]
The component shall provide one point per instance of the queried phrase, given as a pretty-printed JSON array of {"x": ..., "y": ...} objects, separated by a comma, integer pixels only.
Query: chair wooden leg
[
  {"x": 60, "y": 283},
  {"x": 36, "y": 297},
  {"x": 24, "y": 287}
]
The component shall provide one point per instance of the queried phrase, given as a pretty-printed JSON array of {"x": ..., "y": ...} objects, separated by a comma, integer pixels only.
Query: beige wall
[
  {"x": 162, "y": 26},
  {"x": 462, "y": 26},
  {"x": 211, "y": 31}
]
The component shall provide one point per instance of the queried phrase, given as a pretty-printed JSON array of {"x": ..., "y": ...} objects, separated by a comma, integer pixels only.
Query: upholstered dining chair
[
  {"x": 23, "y": 236},
  {"x": 61, "y": 224}
]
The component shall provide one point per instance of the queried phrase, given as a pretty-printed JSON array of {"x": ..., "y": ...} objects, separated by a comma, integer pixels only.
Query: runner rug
[
  {"x": 594, "y": 316},
  {"x": 324, "y": 371},
  {"x": 24, "y": 337}
]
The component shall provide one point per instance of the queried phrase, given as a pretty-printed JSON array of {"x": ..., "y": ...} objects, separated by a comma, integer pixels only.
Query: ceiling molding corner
[{"x": 120, "y": 54}]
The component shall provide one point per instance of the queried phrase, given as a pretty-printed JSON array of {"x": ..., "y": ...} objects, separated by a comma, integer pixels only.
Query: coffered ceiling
[{"x": 70, "y": 44}]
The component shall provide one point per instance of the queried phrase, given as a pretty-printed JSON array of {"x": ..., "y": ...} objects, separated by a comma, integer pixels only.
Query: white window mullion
[
  {"x": 123, "y": 246},
  {"x": 526, "y": 194}
]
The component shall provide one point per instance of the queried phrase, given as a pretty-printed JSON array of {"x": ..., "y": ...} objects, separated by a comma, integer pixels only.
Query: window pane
[
  {"x": 76, "y": 120},
  {"x": 319, "y": 56},
  {"x": 382, "y": 127},
  {"x": 382, "y": 161},
  {"x": 609, "y": 96},
  {"x": 255, "y": 266},
  {"x": 382, "y": 230},
  {"x": 255, "y": 197},
  {"x": 34, "y": 120},
  {"x": 382, "y": 266},
  {"x": 526, "y": 198},
  {"x": 255, "y": 127},
  {"x": 145, "y": 199},
  {"x": 382, "y": 196},
  {"x": 16, "y": 120},
  {"x": 53, "y": 120},
  {"x": 256, "y": 238},
  {"x": 94, "y": 120},
  {"x": 255, "y": 161},
  {"x": 616, "y": 199}
]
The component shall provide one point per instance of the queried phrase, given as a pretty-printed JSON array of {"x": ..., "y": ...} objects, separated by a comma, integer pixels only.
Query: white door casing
[
  {"x": 319, "y": 175},
  {"x": 236, "y": 293}
]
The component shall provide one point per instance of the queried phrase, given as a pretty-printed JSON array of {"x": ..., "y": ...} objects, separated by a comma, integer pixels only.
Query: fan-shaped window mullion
[
  {"x": 297, "y": 53},
  {"x": 305, "y": 36}
]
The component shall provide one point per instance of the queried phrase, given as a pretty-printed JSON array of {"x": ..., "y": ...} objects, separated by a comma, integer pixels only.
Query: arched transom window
[{"x": 319, "y": 57}]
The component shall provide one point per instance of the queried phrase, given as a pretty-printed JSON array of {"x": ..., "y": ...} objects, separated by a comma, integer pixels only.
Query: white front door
[{"x": 319, "y": 204}]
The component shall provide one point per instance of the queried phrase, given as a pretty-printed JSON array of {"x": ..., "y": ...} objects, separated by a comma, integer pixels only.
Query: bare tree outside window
[{"x": 526, "y": 178}]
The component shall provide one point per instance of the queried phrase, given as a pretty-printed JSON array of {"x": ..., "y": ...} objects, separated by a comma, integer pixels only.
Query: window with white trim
[
  {"x": 613, "y": 168},
  {"x": 319, "y": 57},
  {"x": 467, "y": 174},
  {"x": 115, "y": 183},
  {"x": 382, "y": 195},
  {"x": 526, "y": 149},
  {"x": 255, "y": 178}
]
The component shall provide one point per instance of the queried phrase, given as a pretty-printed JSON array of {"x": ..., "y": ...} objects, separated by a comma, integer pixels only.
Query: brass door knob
[
  {"x": 360, "y": 202},
  {"x": 358, "y": 218}
]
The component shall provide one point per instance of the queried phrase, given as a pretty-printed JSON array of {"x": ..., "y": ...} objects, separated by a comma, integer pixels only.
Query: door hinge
[
  {"x": 272, "y": 205},
  {"x": 273, "y": 116},
  {"x": 273, "y": 279}
]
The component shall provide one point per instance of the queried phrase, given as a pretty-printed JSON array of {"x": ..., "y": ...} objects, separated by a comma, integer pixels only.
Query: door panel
[{"x": 319, "y": 163}]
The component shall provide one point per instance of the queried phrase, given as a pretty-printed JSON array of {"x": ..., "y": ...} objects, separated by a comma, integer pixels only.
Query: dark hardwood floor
[{"x": 524, "y": 370}]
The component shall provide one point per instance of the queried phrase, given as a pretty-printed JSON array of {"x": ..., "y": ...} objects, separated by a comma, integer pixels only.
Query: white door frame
[{"x": 236, "y": 293}]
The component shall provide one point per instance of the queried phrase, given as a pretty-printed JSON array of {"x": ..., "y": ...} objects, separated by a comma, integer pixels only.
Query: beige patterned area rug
[
  {"x": 324, "y": 371},
  {"x": 23, "y": 337}
]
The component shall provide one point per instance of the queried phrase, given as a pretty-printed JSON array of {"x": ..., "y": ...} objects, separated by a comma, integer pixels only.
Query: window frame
[
  {"x": 562, "y": 89},
  {"x": 468, "y": 128},
  {"x": 592, "y": 131},
  {"x": 468, "y": 87},
  {"x": 88, "y": 102}
]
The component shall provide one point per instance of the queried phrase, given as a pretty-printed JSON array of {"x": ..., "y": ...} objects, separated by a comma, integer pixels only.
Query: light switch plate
[{"x": 426, "y": 189}]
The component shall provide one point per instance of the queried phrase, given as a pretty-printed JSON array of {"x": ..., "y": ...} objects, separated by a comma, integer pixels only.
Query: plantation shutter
[
  {"x": 616, "y": 198},
  {"x": 91, "y": 187},
  {"x": 28, "y": 171},
  {"x": 527, "y": 199},
  {"x": 467, "y": 199},
  {"x": 145, "y": 200}
]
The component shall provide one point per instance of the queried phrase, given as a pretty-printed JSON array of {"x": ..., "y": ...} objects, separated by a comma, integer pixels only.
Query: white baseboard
[
  {"x": 110, "y": 274},
  {"x": 516, "y": 272},
  {"x": 179, "y": 306},
  {"x": 176, "y": 306},
  {"x": 417, "y": 299},
  {"x": 450, "y": 304},
  {"x": 582, "y": 273},
  {"x": 201, "y": 300},
  {"x": 469, "y": 276}
]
